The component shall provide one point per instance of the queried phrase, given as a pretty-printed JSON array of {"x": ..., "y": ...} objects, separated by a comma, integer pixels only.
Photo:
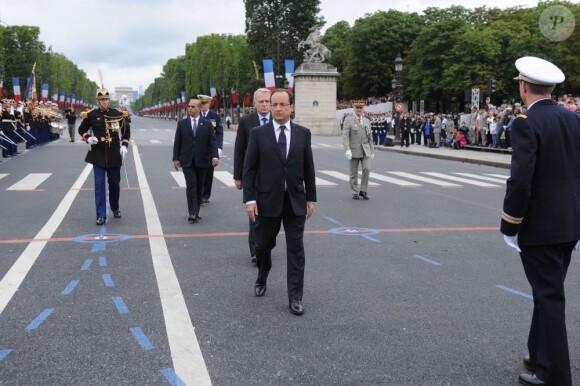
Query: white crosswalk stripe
[
  {"x": 426, "y": 179},
  {"x": 323, "y": 182},
  {"x": 2, "y": 176},
  {"x": 179, "y": 178},
  {"x": 464, "y": 180},
  {"x": 392, "y": 180},
  {"x": 498, "y": 180},
  {"x": 154, "y": 141},
  {"x": 226, "y": 178},
  {"x": 30, "y": 182},
  {"x": 498, "y": 176},
  {"x": 343, "y": 177}
]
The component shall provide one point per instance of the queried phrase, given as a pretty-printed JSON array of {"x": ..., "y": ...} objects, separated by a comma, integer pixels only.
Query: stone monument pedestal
[{"x": 315, "y": 98}]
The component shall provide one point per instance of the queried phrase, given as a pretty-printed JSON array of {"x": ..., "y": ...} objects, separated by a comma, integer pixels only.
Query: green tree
[
  {"x": 336, "y": 38},
  {"x": 275, "y": 27}
]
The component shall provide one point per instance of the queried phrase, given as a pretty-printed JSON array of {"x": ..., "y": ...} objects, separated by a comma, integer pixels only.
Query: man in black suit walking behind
[
  {"x": 279, "y": 187},
  {"x": 260, "y": 117},
  {"x": 540, "y": 214},
  {"x": 195, "y": 151}
]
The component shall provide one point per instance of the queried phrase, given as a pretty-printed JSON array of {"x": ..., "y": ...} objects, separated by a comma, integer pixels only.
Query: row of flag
[{"x": 269, "y": 79}]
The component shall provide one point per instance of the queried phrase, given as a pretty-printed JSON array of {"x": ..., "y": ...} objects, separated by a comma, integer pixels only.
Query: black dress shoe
[
  {"x": 530, "y": 380},
  {"x": 197, "y": 218},
  {"x": 355, "y": 196},
  {"x": 253, "y": 259},
  {"x": 117, "y": 214},
  {"x": 528, "y": 364},
  {"x": 364, "y": 195},
  {"x": 206, "y": 200},
  {"x": 192, "y": 219},
  {"x": 100, "y": 221},
  {"x": 296, "y": 307},
  {"x": 260, "y": 289}
]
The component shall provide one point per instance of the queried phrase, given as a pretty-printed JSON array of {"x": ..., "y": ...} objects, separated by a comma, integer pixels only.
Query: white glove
[
  {"x": 220, "y": 152},
  {"x": 512, "y": 242},
  {"x": 372, "y": 156},
  {"x": 92, "y": 141},
  {"x": 348, "y": 155},
  {"x": 577, "y": 247},
  {"x": 123, "y": 151}
]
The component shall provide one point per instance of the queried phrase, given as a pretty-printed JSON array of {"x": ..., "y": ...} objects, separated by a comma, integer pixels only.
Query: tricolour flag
[
  {"x": 1, "y": 83},
  {"x": 247, "y": 100},
  {"x": 182, "y": 96},
  {"x": 61, "y": 99},
  {"x": 55, "y": 95},
  {"x": 212, "y": 90},
  {"x": 16, "y": 87},
  {"x": 269, "y": 81},
  {"x": 44, "y": 92},
  {"x": 289, "y": 64}
]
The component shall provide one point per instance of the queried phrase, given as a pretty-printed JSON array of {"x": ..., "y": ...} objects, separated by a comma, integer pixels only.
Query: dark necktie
[
  {"x": 194, "y": 126},
  {"x": 282, "y": 142},
  {"x": 264, "y": 121}
]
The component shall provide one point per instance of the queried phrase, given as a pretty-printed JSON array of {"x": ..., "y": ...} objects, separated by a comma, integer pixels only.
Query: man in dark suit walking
[
  {"x": 195, "y": 151},
  {"x": 258, "y": 118},
  {"x": 541, "y": 214},
  {"x": 216, "y": 121},
  {"x": 279, "y": 187}
]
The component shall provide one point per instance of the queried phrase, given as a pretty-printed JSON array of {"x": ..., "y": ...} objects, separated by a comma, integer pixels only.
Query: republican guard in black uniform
[
  {"x": 107, "y": 131},
  {"x": 541, "y": 214}
]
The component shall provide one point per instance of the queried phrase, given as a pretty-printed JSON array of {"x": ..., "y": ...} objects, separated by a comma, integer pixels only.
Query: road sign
[{"x": 399, "y": 107}]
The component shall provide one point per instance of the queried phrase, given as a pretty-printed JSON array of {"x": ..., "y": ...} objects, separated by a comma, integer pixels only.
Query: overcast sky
[{"x": 131, "y": 40}]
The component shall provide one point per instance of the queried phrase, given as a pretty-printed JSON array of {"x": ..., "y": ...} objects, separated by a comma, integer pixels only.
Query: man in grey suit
[
  {"x": 279, "y": 187},
  {"x": 357, "y": 140},
  {"x": 195, "y": 151},
  {"x": 258, "y": 118}
]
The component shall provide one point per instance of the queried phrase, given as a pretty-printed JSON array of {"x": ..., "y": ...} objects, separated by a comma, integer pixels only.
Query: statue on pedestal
[{"x": 317, "y": 52}]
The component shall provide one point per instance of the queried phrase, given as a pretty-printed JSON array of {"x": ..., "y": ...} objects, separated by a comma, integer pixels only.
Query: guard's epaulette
[
  {"x": 85, "y": 114},
  {"x": 125, "y": 114},
  {"x": 523, "y": 116}
]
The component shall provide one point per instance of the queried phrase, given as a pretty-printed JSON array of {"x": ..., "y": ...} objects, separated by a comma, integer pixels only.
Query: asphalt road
[{"x": 413, "y": 287}]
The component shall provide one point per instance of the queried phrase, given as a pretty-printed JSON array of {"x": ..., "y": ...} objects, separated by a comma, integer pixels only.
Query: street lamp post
[{"x": 397, "y": 85}]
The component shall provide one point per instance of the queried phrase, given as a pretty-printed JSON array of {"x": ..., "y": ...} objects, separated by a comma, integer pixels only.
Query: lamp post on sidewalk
[{"x": 397, "y": 85}]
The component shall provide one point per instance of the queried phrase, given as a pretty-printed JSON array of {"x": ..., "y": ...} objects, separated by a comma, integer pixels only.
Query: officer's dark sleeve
[
  {"x": 126, "y": 132},
  {"x": 85, "y": 125},
  {"x": 518, "y": 191}
]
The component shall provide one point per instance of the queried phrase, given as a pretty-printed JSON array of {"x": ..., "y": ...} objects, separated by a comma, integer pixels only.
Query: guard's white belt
[{"x": 8, "y": 120}]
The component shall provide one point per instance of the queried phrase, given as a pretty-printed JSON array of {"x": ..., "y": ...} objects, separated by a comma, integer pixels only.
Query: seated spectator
[{"x": 459, "y": 142}]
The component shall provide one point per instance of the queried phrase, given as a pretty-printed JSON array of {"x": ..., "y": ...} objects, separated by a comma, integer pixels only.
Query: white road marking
[
  {"x": 500, "y": 181},
  {"x": 464, "y": 180},
  {"x": 425, "y": 179},
  {"x": 179, "y": 178},
  {"x": 498, "y": 176},
  {"x": 30, "y": 182},
  {"x": 226, "y": 178},
  {"x": 322, "y": 182},
  {"x": 16, "y": 274},
  {"x": 154, "y": 141},
  {"x": 392, "y": 180},
  {"x": 343, "y": 177},
  {"x": 2, "y": 176},
  {"x": 188, "y": 362}
]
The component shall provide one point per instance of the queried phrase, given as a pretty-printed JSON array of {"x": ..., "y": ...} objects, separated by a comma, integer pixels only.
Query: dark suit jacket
[
  {"x": 542, "y": 201},
  {"x": 196, "y": 151},
  {"x": 247, "y": 122},
  {"x": 265, "y": 171}
]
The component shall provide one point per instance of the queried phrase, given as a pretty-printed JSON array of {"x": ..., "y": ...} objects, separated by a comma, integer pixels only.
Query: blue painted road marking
[
  {"x": 513, "y": 291},
  {"x": 171, "y": 377},
  {"x": 356, "y": 231},
  {"x": 4, "y": 353},
  {"x": 108, "y": 280},
  {"x": 87, "y": 265},
  {"x": 102, "y": 261},
  {"x": 121, "y": 307},
  {"x": 141, "y": 338},
  {"x": 427, "y": 260},
  {"x": 39, "y": 319},
  {"x": 70, "y": 287}
]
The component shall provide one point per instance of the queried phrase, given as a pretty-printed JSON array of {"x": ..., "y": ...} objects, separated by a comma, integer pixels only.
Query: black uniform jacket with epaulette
[
  {"x": 542, "y": 201},
  {"x": 106, "y": 153}
]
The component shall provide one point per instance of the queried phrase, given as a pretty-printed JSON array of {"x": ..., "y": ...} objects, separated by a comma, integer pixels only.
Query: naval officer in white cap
[{"x": 541, "y": 214}]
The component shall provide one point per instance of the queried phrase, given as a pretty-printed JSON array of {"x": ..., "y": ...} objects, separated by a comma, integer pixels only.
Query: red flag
[
  {"x": 235, "y": 99},
  {"x": 247, "y": 100}
]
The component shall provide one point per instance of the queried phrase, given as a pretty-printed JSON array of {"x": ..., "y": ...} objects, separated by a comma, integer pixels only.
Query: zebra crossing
[
  {"x": 325, "y": 178},
  {"x": 170, "y": 140}
]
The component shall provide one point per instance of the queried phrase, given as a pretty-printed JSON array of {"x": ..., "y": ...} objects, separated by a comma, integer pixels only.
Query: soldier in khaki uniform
[{"x": 357, "y": 140}]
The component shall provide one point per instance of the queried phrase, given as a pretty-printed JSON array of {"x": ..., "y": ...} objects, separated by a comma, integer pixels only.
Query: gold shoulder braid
[{"x": 523, "y": 116}]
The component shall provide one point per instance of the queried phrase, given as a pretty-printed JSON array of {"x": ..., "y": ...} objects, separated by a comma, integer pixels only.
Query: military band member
[
  {"x": 8, "y": 136},
  {"x": 540, "y": 214},
  {"x": 107, "y": 132},
  {"x": 216, "y": 122},
  {"x": 358, "y": 142}
]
